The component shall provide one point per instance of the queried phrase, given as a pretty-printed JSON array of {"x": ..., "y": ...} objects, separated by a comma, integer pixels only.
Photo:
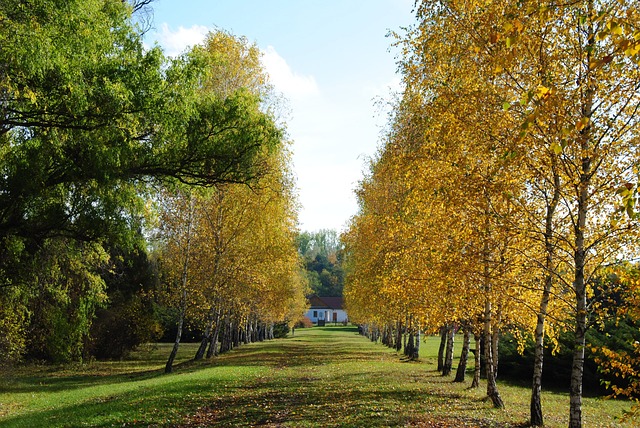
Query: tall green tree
[{"x": 91, "y": 121}]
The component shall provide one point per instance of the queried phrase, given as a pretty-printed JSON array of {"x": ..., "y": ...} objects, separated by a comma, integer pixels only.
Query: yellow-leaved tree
[{"x": 241, "y": 272}]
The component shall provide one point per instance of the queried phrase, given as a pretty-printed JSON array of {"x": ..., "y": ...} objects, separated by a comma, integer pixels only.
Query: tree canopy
[{"x": 92, "y": 125}]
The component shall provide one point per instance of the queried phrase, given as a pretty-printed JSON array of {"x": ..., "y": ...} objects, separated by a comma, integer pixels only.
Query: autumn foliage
[{"x": 507, "y": 179}]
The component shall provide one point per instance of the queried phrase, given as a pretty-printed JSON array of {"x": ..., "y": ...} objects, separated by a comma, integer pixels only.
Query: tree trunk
[
  {"x": 225, "y": 342},
  {"x": 398, "y": 342},
  {"x": 577, "y": 368},
  {"x": 246, "y": 333},
  {"x": 408, "y": 349},
  {"x": 215, "y": 335},
  {"x": 213, "y": 343},
  {"x": 464, "y": 355},
  {"x": 586, "y": 173},
  {"x": 168, "y": 368},
  {"x": 443, "y": 343},
  {"x": 492, "y": 387},
  {"x": 495, "y": 339},
  {"x": 206, "y": 337},
  {"x": 536, "y": 387},
  {"x": 236, "y": 334},
  {"x": 270, "y": 331},
  {"x": 448, "y": 356},
  {"x": 386, "y": 336},
  {"x": 477, "y": 368}
]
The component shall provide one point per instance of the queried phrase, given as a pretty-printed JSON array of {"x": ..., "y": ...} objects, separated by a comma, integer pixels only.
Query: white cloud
[
  {"x": 291, "y": 84},
  {"x": 385, "y": 90},
  {"x": 176, "y": 42}
]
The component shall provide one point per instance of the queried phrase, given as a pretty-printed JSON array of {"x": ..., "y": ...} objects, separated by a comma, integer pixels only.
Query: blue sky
[{"x": 331, "y": 59}]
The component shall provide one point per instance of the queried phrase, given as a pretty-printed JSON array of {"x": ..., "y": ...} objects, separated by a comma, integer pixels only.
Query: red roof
[{"x": 317, "y": 302}]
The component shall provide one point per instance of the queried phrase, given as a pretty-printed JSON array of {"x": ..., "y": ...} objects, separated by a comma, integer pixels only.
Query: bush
[
  {"x": 280, "y": 330},
  {"x": 305, "y": 322},
  {"x": 121, "y": 328}
]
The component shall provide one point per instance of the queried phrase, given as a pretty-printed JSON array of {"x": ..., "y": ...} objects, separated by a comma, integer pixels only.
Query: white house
[{"x": 326, "y": 310}]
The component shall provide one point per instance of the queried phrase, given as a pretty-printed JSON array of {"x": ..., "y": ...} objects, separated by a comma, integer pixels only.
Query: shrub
[
  {"x": 280, "y": 330},
  {"x": 304, "y": 322}
]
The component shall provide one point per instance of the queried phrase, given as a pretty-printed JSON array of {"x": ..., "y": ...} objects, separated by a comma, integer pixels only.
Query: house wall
[{"x": 326, "y": 314}]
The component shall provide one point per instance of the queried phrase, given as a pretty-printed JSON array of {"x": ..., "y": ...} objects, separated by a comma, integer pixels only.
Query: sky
[{"x": 332, "y": 60}]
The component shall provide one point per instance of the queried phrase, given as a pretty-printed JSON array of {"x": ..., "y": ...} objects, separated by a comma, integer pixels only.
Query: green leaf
[
  {"x": 557, "y": 148},
  {"x": 506, "y": 105},
  {"x": 510, "y": 41}
]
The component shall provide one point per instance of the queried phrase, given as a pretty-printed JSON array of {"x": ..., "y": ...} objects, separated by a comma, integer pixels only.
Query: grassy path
[{"x": 322, "y": 377}]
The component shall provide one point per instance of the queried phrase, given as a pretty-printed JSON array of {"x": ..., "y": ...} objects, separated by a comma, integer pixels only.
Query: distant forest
[{"x": 323, "y": 260}]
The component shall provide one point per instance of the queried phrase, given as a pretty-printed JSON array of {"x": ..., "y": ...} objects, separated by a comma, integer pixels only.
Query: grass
[{"x": 324, "y": 376}]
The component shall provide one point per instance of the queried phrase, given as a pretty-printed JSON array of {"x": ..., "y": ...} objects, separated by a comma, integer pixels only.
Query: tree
[
  {"x": 179, "y": 231},
  {"x": 322, "y": 254},
  {"x": 244, "y": 272},
  {"x": 82, "y": 135},
  {"x": 91, "y": 122},
  {"x": 568, "y": 74}
]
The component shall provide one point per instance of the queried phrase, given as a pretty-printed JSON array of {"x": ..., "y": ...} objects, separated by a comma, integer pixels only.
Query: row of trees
[
  {"x": 508, "y": 178},
  {"x": 111, "y": 155},
  {"x": 229, "y": 253}
]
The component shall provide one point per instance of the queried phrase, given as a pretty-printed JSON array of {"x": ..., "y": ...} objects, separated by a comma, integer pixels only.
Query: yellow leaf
[
  {"x": 615, "y": 28},
  {"x": 632, "y": 50},
  {"x": 518, "y": 25},
  {"x": 510, "y": 41},
  {"x": 543, "y": 92},
  {"x": 582, "y": 123}
]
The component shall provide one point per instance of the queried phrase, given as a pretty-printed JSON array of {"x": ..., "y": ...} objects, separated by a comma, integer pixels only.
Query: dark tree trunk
[
  {"x": 213, "y": 342},
  {"x": 443, "y": 344},
  {"x": 206, "y": 337},
  {"x": 464, "y": 355},
  {"x": 408, "y": 350},
  {"x": 236, "y": 334},
  {"x": 226, "y": 342}
]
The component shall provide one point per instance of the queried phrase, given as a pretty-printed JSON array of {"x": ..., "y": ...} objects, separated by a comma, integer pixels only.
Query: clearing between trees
[{"x": 323, "y": 376}]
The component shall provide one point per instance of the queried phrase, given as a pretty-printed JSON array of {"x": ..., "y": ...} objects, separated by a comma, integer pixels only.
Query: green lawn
[{"x": 324, "y": 376}]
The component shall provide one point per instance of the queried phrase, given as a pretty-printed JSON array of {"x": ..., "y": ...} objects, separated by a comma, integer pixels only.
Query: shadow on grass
[
  {"x": 312, "y": 404},
  {"x": 56, "y": 384}
]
